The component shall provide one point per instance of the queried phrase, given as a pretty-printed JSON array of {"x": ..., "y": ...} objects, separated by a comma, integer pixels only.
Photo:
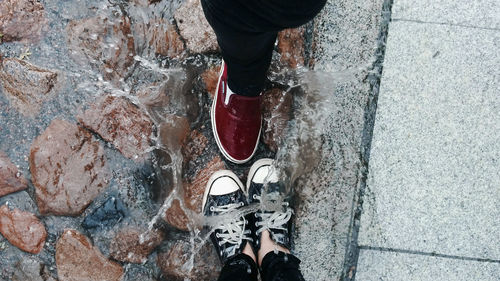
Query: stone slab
[
  {"x": 434, "y": 176},
  {"x": 345, "y": 37},
  {"x": 376, "y": 266},
  {"x": 483, "y": 13}
]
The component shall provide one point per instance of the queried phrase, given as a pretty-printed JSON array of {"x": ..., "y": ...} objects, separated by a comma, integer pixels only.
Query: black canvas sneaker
[
  {"x": 277, "y": 220},
  {"x": 224, "y": 195}
]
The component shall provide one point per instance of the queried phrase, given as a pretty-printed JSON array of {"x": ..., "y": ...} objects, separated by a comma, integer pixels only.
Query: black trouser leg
[
  {"x": 239, "y": 268},
  {"x": 281, "y": 267},
  {"x": 247, "y": 55},
  {"x": 246, "y": 32}
]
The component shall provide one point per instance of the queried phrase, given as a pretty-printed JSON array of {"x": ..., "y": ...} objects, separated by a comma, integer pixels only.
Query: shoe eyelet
[
  {"x": 217, "y": 235},
  {"x": 254, "y": 196},
  {"x": 242, "y": 204},
  {"x": 212, "y": 208}
]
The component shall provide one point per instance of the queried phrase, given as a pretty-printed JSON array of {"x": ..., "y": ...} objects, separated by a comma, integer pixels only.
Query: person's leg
[
  {"x": 248, "y": 57},
  {"x": 276, "y": 262},
  {"x": 271, "y": 224},
  {"x": 247, "y": 54},
  {"x": 281, "y": 267},
  {"x": 231, "y": 239},
  {"x": 246, "y": 31},
  {"x": 239, "y": 268}
]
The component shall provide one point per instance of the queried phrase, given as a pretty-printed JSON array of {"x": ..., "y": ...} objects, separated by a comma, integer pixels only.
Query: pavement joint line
[
  {"x": 446, "y": 23},
  {"x": 432, "y": 254}
]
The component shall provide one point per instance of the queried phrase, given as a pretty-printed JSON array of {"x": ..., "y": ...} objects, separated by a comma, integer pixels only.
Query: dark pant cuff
[
  {"x": 280, "y": 266},
  {"x": 240, "y": 267}
]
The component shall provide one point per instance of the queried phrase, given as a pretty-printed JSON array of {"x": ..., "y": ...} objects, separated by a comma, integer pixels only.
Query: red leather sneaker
[{"x": 236, "y": 122}]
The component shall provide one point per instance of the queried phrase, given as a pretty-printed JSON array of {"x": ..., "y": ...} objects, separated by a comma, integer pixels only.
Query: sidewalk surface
[{"x": 431, "y": 208}]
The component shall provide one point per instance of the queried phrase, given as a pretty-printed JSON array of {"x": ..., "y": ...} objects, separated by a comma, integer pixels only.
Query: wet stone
[
  {"x": 31, "y": 270},
  {"x": 77, "y": 259},
  {"x": 25, "y": 85},
  {"x": 140, "y": 273},
  {"x": 104, "y": 42},
  {"x": 194, "y": 184},
  {"x": 21, "y": 20},
  {"x": 134, "y": 245},
  {"x": 194, "y": 28},
  {"x": 206, "y": 263},
  {"x": 210, "y": 78},
  {"x": 68, "y": 169},
  {"x": 122, "y": 123},
  {"x": 291, "y": 46},
  {"x": 106, "y": 215},
  {"x": 160, "y": 36},
  {"x": 195, "y": 188},
  {"x": 153, "y": 95},
  {"x": 176, "y": 217},
  {"x": 20, "y": 200},
  {"x": 163, "y": 181},
  {"x": 23, "y": 229},
  {"x": 276, "y": 112},
  {"x": 174, "y": 132},
  {"x": 11, "y": 179},
  {"x": 194, "y": 145}
]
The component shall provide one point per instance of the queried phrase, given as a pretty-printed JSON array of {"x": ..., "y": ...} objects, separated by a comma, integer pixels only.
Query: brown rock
[
  {"x": 194, "y": 145},
  {"x": 176, "y": 217},
  {"x": 194, "y": 189},
  {"x": 134, "y": 245},
  {"x": 194, "y": 28},
  {"x": 25, "y": 85},
  {"x": 206, "y": 263},
  {"x": 210, "y": 78},
  {"x": 291, "y": 46},
  {"x": 277, "y": 108},
  {"x": 21, "y": 20},
  {"x": 174, "y": 131},
  {"x": 22, "y": 229},
  {"x": 122, "y": 123},
  {"x": 106, "y": 43},
  {"x": 77, "y": 260},
  {"x": 11, "y": 179},
  {"x": 68, "y": 169},
  {"x": 160, "y": 36}
]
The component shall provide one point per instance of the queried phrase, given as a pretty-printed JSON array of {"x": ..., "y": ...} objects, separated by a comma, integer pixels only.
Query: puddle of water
[{"x": 148, "y": 189}]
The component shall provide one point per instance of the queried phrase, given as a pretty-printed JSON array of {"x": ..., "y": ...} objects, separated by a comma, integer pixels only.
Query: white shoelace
[
  {"x": 275, "y": 220},
  {"x": 232, "y": 232}
]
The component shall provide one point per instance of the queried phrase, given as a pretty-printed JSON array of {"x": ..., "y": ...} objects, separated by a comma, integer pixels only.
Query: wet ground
[{"x": 132, "y": 86}]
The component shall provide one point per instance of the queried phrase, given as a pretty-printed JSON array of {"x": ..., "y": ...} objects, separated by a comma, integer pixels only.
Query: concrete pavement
[{"x": 431, "y": 206}]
